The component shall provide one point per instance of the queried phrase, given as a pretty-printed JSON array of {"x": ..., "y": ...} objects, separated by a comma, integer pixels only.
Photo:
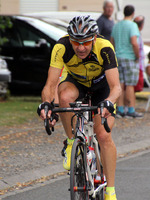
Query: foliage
[{"x": 5, "y": 22}]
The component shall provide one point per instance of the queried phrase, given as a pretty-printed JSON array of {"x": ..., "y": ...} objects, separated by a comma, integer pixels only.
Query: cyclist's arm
[
  {"x": 49, "y": 90},
  {"x": 56, "y": 65},
  {"x": 112, "y": 76}
]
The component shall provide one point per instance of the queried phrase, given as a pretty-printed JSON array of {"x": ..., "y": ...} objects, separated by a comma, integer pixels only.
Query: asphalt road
[{"x": 132, "y": 182}]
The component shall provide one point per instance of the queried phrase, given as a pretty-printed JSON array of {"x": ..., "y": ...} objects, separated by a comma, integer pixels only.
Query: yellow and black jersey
[{"x": 89, "y": 70}]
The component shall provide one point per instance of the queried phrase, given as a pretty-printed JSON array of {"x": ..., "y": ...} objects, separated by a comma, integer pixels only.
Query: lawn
[{"x": 18, "y": 110}]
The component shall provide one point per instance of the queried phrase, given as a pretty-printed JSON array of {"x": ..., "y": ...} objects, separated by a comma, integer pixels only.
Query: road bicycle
[{"x": 87, "y": 179}]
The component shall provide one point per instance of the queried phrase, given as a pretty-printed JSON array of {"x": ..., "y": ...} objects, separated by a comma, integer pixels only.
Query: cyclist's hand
[
  {"x": 45, "y": 112},
  {"x": 105, "y": 113},
  {"x": 105, "y": 108},
  {"x": 54, "y": 119}
]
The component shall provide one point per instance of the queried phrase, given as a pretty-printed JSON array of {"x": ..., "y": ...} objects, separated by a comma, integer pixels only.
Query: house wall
[
  {"x": 9, "y": 6},
  {"x": 24, "y": 6},
  {"x": 78, "y": 5}
]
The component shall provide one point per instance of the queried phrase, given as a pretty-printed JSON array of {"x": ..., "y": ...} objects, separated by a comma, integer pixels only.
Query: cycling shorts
[{"x": 99, "y": 92}]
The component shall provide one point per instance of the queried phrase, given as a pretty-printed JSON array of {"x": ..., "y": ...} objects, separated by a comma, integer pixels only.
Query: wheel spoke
[{"x": 78, "y": 182}]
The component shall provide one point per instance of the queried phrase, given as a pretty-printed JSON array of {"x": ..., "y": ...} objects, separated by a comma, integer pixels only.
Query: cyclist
[{"x": 90, "y": 64}]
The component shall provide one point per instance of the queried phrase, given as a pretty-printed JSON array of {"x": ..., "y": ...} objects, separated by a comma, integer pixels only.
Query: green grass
[{"x": 18, "y": 110}]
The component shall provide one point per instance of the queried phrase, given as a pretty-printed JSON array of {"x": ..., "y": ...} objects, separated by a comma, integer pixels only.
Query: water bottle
[
  {"x": 89, "y": 156},
  {"x": 93, "y": 166}
]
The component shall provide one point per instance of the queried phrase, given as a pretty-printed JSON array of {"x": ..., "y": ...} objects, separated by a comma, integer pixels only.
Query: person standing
[
  {"x": 139, "y": 20},
  {"x": 124, "y": 37},
  {"x": 105, "y": 21}
]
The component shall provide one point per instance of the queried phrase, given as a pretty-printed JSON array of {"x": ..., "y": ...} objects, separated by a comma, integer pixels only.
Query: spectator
[
  {"x": 148, "y": 65},
  {"x": 124, "y": 37},
  {"x": 105, "y": 21},
  {"x": 139, "y": 20}
]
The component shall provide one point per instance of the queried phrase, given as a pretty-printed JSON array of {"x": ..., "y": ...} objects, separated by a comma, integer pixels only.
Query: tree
[{"x": 5, "y": 22}]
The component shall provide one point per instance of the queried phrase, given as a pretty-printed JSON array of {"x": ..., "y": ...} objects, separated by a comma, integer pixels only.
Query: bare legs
[
  {"x": 108, "y": 150},
  {"x": 69, "y": 93}
]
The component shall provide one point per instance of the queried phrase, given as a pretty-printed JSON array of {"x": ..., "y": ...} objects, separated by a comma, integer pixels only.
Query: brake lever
[
  {"x": 101, "y": 109},
  {"x": 104, "y": 120},
  {"x": 46, "y": 122}
]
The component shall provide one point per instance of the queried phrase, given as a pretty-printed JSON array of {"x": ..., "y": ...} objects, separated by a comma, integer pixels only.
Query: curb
[
  {"x": 31, "y": 175},
  {"x": 133, "y": 148},
  {"x": 57, "y": 169}
]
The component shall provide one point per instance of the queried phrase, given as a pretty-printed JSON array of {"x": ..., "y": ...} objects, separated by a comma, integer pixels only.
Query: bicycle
[{"x": 84, "y": 168}]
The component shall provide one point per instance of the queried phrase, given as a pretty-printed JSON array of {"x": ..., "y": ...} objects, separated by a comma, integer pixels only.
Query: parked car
[
  {"x": 61, "y": 18},
  {"x": 28, "y": 51},
  {"x": 5, "y": 77},
  {"x": 61, "y": 15}
]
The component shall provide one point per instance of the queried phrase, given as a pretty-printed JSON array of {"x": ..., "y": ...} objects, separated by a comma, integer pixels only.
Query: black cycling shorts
[{"x": 99, "y": 91}]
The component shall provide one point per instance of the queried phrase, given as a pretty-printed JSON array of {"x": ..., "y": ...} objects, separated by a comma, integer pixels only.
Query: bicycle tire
[
  {"x": 78, "y": 172},
  {"x": 100, "y": 194}
]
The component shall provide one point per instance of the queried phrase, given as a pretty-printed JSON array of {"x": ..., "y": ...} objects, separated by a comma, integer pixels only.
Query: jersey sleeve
[
  {"x": 109, "y": 58},
  {"x": 57, "y": 56}
]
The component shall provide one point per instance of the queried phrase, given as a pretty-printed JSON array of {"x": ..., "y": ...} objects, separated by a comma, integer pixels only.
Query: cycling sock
[
  {"x": 120, "y": 109},
  {"x": 131, "y": 109},
  {"x": 110, "y": 189},
  {"x": 70, "y": 141}
]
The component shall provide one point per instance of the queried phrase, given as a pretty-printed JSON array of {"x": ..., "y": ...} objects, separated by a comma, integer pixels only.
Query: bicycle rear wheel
[{"x": 78, "y": 172}]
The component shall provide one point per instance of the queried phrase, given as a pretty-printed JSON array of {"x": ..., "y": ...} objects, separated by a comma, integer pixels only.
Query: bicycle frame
[
  {"x": 88, "y": 131},
  {"x": 85, "y": 132}
]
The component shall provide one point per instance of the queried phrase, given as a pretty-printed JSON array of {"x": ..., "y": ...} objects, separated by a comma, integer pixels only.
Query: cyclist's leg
[
  {"x": 107, "y": 146},
  {"x": 108, "y": 149},
  {"x": 67, "y": 93},
  {"x": 69, "y": 90}
]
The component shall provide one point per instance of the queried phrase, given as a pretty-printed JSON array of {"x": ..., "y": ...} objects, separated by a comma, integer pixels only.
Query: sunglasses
[{"x": 84, "y": 43}]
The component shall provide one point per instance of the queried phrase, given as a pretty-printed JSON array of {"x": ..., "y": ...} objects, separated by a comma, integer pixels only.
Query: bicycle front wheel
[{"x": 78, "y": 172}]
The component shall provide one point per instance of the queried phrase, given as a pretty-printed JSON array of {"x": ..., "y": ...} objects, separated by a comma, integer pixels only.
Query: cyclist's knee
[
  {"x": 103, "y": 138},
  {"x": 67, "y": 94}
]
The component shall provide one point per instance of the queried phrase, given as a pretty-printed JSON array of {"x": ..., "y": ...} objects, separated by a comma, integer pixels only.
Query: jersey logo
[
  {"x": 93, "y": 68},
  {"x": 107, "y": 56},
  {"x": 57, "y": 54}
]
